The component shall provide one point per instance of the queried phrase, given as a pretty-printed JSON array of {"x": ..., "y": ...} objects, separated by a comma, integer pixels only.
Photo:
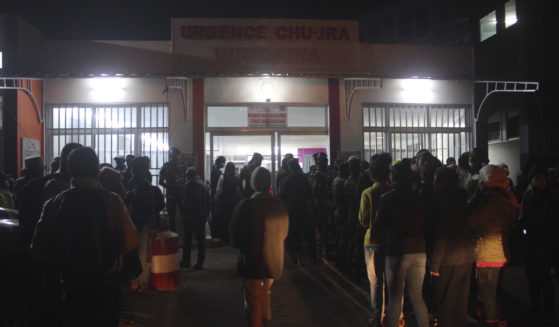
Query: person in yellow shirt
[{"x": 379, "y": 170}]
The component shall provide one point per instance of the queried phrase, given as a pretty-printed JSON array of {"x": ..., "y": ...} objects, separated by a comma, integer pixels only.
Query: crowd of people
[
  {"x": 419, "y": 227},
  {"x": 420, "y": 231}
]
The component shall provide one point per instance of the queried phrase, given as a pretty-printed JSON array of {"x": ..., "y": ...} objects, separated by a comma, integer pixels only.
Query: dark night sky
[{"x": 126, "y": 19}]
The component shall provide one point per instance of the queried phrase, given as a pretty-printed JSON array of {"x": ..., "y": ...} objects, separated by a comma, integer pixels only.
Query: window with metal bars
[
  {"x": 404, "y": 129},
  {"x": 138, "y": 129}
]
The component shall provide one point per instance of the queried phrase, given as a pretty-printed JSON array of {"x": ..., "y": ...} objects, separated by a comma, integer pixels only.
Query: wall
[
  {"x": 249, "y": 89},
  {"x": 393, "y": 91},
  {"x": 135, "y": 90},
  {"x": 28, "y": 125},
  {"x": 507, "y": 152}
]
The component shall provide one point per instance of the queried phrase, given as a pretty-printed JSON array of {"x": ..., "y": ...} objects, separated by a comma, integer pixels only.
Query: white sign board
[
  {"x": 272, "y": 115},
  {"x": 30, "y": 148}
]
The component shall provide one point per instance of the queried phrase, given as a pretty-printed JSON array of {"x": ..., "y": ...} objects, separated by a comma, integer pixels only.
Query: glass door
[
  {"x": 302, "y": 146},
  {"x": 239, "y": 148}
]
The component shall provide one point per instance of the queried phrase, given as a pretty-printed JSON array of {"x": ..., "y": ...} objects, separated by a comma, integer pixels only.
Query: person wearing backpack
[
  {"x": 144, "y": 202},
  {"x": 80, "y": 236}
]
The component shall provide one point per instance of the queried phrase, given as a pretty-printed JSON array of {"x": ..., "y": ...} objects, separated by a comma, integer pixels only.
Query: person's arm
[
  {"x": 219, "y": 189},
  {"x": 125, "y": 226},
  {"x": 44, "y": 244},
  {"x": 365, "y": 210},
  {"x": 162, "y": 174},
  {"x": 239, "y": 230}
]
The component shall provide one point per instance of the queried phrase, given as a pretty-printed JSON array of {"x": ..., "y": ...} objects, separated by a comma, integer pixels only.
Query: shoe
[
  {"x": 185, "y": 264},
  {"x": 147, "y": 290},
  {"x": 198, "y": 267}
]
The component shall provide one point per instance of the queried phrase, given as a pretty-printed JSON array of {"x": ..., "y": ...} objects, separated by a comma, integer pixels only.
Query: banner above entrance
[
  {"x": 267, "y": 116},
  {"x": 283, "y": 43}
]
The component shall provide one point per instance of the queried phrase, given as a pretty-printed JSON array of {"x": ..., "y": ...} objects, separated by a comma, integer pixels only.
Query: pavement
[{"x": 308, "y": 295}]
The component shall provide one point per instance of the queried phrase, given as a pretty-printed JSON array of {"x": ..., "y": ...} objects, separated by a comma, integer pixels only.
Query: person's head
[
  {"x": 464, "y": 160},
  {"x": 129, "y": 159},
  {"x": 450, "y": 162},
  {"x": 401, "y": 173},
  {"x": 83, "y": 163},
  {"x": 321, "y": 160},
  {"x": 478, "y": 158},
  {"x": 110, "y": 179},
  {"x": 493, "y": 176},
  {"x": 69, "y": 147},
  {"x": 140, "y": 167},
  {"x": 446, "y": 178},
  {"x": 105, "y": 164},
  {"x": 285, "y": 159},
  {"x": 354, "y": 166},
  {"x": 33, "y": 166},
  {"x": 293, "y": 165},
  {"x": 343, "y": 169},
  {"x": 256, "y": 160},
  {"x": 219, "y": 162},
  {"x": 379, "y": 167},
  {"x": 261, "y": 180},
  {"x": 174, "y": 153},
  {"x": 4, "y": 181},
  {"x": 537, "y": 177},
  {"x": 191, "y": 173},
  {"x": 426, "y": 164},
  {"x": 119, "y": 160},
  {"x": 54, "y": 164},
  {"x": 229, "y": 169}
]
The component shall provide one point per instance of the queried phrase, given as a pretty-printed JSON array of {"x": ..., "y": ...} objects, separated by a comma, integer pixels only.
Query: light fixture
[
  {"x": 107, "y": 88},
  {"x": 417, "y": 90},
  {"x": 267, "y": 90}
]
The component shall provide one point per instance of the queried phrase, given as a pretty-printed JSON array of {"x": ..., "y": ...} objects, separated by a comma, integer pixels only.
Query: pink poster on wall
[{"x": 308, "y": 151}]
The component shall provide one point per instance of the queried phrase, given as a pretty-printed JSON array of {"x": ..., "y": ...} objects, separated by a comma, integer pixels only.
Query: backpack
[
  {"x": 144, "y": 203},
  {"x": 86, "y": 242}
]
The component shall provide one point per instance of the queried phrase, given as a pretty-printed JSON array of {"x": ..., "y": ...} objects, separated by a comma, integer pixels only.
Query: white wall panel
[{"x": 130, "y": 90}]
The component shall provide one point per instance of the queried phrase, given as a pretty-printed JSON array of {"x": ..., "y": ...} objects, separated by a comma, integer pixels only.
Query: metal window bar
[
  {"x": 110, "y": 130},
  {"x": 443, "y": 129}
]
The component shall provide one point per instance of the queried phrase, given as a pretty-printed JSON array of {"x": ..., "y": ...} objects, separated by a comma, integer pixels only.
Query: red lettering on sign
[
  {"x": 330, "y": 33},
  {"x": 236, "y": 32},
  {"x": 281, "y": 32},
  {"x": 344, "y": 34},
  {"x": 262, "y": 32},
  {"x": 249, "y": 32}
]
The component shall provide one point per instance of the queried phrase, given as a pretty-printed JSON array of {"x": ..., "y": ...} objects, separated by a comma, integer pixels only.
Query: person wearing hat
[
  {"x": 493, "y": 209},
  {"x": 258, "y": 229},
  {"x": 246, "y": 172}
]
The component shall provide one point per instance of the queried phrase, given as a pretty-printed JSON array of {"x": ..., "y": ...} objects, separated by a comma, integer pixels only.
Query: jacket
[
  {"x": 492, "y": 212},
  {"x": 454, "y": 239},
  {"x": 83, "y": 230},
  {"x": 368, "y": 211},
  {"x": 258, "y": 228},
  {"x": 195, "y": 204},
  {"x": 400, "y": 219}
]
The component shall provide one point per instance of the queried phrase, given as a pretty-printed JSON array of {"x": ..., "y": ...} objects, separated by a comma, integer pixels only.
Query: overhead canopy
[{"x": 235, "y": 47}]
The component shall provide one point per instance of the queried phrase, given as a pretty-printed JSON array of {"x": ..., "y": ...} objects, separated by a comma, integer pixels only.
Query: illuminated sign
[
  {"x": 287, "y": 44},
  {"x": 267, "y": 116}
]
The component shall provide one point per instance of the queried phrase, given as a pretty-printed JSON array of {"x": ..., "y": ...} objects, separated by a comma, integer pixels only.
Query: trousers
[{"x": 257, "y": 295}]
